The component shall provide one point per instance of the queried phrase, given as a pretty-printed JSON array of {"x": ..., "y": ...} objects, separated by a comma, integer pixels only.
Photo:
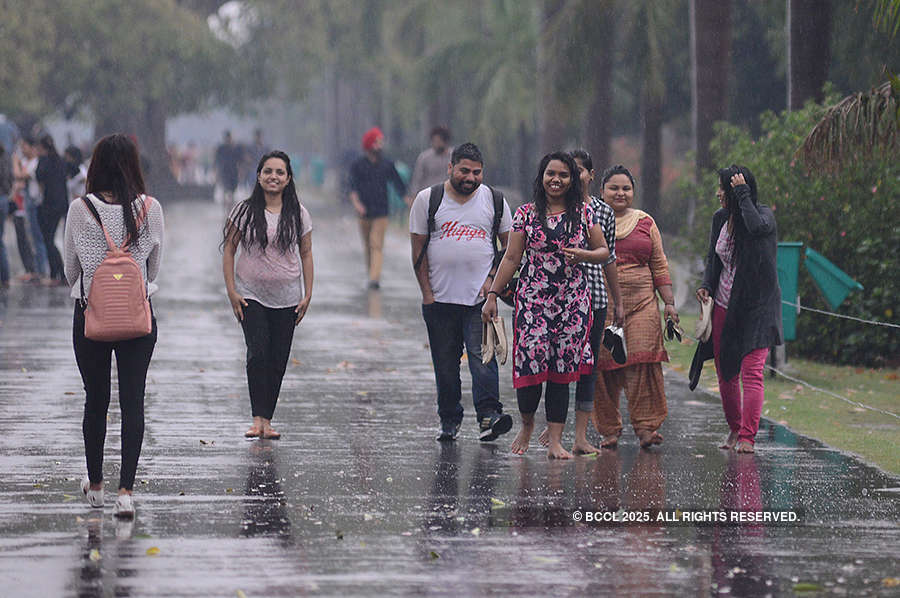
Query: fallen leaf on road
[
  {"x": 476, "y": 531},
  {"x": 890, "y": 582},
  {"x": 241, "y": 594},
  {"x": 805, "y": 586},
  {"x": 94, "y": 555},
  {"x": 434, "y": 555},
  {"x": 496, "y": 502},
  {"x": 152, "y": 551},
  {"x": 296, "y": 361}
]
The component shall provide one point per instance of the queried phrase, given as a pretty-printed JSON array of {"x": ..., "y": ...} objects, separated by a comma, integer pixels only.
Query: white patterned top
[{"x": 86, "y": 244}]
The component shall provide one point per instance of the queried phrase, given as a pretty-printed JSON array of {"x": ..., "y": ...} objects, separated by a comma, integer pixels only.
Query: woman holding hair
[
  {"x": 742, "y": 279},
  {"x": 553, "y": 306},
  {"x": 643, "y": 271},
  {"x": 116, "y": 195},
  {"x": 270, "y": 284}
]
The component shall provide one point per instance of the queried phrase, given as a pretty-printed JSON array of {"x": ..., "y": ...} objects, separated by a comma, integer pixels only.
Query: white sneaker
[
  {"x": 124, "y": 506},
  {"x": 94, "y": 497}
]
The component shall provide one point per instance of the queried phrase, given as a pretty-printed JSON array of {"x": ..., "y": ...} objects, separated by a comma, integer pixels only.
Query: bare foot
[
  {"x": 729, "y": 442},
  {"x": 522, "y": 439},
  {"x": 556, "y": 451},
  {"x": 583, "y": 447},
  {"x": 610, "y": 442},
  {"x": 744, "y": 446},
  {"x": 253, "y": 431},
  {"x": 544, "y": 437},
  {"x": 649, "y": 438}
]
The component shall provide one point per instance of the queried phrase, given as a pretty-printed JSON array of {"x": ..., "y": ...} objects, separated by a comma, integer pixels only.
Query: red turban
[{"x": 369, "y": 138}]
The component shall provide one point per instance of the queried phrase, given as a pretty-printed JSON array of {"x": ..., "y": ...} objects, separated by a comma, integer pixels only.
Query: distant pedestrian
[
  {"x": 431, "y": 165},
  {"x": 76, "y": 172},
  {"x": 742, "y": 280},
  {"x": 228, "y": 159},
  {"x": 643, "y": 271},
  {"x": 270, "y": 284},
  {"x": 369, "y": 178},
  {"x": 454, "y": 261},
  {"x": 25, "y": 164},
  {"x": 6, "y": 183},
  {"x": 116, "y": 197},
  {"x": 50, "y": 174},
  {"x": 557, "y": 233}
]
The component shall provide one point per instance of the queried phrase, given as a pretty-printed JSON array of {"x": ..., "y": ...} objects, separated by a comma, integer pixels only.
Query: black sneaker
[
  {"x": 449, "y": 432},
  {"x": 494, "y": 425}
]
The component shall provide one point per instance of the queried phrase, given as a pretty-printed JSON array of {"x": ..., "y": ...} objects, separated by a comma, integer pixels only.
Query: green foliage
[{"x": 850, "y": 217}]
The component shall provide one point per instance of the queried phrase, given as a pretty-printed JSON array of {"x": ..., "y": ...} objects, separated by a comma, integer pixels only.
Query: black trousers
[
  {"x": 268, "y": 333},
  {"x": 94, "y": 360},
  {"x": 48, "y": 219}
]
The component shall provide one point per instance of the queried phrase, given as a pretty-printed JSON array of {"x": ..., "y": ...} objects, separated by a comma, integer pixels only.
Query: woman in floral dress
[{"x": 552, "y": 319}]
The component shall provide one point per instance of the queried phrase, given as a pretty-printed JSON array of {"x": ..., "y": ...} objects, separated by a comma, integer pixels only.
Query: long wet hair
[
  {"x": 116, "y": 168},
  {"x": 573, "y": 194},
  {"x": 736, "y": 225},
  {"x": 250, "y": 216}
]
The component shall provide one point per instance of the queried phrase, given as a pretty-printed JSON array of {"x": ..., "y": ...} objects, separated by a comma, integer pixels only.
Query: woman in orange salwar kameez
[{"x": 643, "y": 271}]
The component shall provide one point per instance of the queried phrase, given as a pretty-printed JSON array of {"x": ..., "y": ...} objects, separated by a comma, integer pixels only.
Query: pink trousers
[{"x": 741, "y": 413}]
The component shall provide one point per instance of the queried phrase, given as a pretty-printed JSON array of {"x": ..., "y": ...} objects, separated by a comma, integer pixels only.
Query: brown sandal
[{"x": 744, "y": 446}]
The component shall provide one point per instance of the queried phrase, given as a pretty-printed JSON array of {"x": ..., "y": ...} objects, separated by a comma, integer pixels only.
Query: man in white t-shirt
[{"x": 455, "y": 273}]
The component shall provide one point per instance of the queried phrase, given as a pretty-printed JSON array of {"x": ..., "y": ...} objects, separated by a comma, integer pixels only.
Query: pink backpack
[{"x": 117, "y": 306}]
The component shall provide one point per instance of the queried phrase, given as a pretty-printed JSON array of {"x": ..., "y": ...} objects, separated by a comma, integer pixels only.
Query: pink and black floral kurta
[{"x": 553, "y": 305}]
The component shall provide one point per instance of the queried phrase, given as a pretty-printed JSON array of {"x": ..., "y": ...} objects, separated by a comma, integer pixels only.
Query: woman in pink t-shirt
[{"x": 271, "y": 284}]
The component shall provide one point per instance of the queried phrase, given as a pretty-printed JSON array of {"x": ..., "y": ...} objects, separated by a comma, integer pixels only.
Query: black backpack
[{"x": 434, "y": 202}]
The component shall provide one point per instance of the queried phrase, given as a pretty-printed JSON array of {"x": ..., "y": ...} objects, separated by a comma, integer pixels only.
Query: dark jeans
[
  {"x": 450, "y": 328},
  {"x": 4, "y": 260},
  {"x": 48, "y": 218},
  {"x": 556, "y": 401},
  {"x": 584, "y": 389},
  {"x": 23, "y": 242},
  {"x": 94, "y": 360},
  {"x": 268, "y": 333}
]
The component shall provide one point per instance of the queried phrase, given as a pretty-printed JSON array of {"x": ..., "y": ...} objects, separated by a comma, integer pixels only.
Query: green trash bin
[
  {"x": 788, "y": 266},
  {"x": 831, "y": 280},
  {"x": 317, "y": 171}
]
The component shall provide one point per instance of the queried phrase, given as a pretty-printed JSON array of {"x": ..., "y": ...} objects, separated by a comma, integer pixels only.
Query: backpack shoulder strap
[
  {"x": 96, "y": 215},
  {"x": 435, "y": 197},
  {"x": 495, "y": 228}
]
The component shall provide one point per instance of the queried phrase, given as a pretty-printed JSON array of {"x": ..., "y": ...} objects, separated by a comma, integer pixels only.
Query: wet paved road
[{"x": 357, "y": 499}]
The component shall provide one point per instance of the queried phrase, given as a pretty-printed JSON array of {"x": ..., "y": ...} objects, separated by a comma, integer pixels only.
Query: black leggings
[
  {"x": 94, "y": 360},
  {"x": 268, "y": 333},
  {"x": 556, "y": 401}
]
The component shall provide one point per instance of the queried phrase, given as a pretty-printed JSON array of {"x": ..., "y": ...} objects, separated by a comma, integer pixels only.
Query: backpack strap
[
  {"x": 434, "y": 202},
  {"x": 495, "y": 228}
]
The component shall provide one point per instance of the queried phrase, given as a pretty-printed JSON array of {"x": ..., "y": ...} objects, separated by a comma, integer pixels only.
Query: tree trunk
[
  {"x": 151, "y": 134},
  {"x": 651, "y": 152},
  {"x": 809, "y": 50},
  {"x": 710, "y": 59},
  {"x": 598, "y": 127},
  {"x": 551, "y": 129}
]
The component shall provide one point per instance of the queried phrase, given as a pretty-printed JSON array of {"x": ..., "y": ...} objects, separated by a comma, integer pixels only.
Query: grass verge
[{"x": 873, "y": 436}]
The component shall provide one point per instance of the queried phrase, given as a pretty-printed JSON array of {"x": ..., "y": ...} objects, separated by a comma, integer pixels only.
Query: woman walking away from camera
[
  {"x": 270, "y": 284},
  {"x": 132, "y": 220},
  {"x": 742, "y": 280},
  {"x": 552, "y": 319},
  {"x": 643, "y": 271}
]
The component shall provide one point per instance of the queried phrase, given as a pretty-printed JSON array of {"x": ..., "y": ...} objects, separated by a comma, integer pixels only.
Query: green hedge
[{"x": 851, "y": 218}]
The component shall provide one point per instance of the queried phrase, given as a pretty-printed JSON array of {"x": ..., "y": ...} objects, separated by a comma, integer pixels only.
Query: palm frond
[
  {"x": 887, "y": 16},
  {"x": 854, "y": 129}
]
